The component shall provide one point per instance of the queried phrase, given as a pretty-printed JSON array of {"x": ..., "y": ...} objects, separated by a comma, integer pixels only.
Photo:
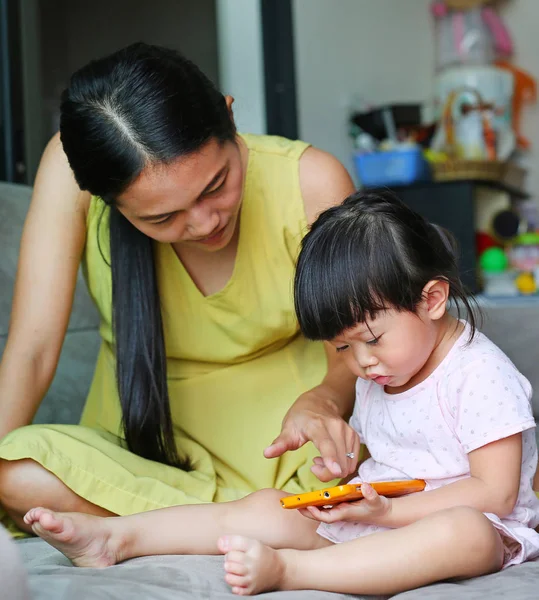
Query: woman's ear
[
  {"x": 229, "y": 102},
  {"x": 436, "y": 295}
]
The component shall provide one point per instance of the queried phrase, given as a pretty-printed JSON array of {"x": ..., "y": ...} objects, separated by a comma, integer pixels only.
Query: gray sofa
[{"x": 51, "y": 577}]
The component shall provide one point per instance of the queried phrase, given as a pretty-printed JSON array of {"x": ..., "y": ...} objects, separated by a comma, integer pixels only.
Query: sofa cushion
[{"x": 201, "y": 577}]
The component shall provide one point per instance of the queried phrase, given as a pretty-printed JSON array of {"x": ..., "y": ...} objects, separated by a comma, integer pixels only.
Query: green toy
[
  {"x": 527, "y": 239},
  {"x": 494, "y": 260}
]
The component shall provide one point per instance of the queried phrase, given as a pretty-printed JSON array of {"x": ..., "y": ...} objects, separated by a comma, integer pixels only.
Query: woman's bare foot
[
  {"x": 251, "y": 567},
  {"x": 86, "y": 540}
]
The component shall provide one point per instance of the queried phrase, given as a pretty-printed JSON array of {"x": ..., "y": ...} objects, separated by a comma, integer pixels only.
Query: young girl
[{"x": 436, "y": 400}]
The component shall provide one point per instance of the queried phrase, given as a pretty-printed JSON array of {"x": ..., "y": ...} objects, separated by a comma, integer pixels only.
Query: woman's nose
[{"x": 202, "y": 222}]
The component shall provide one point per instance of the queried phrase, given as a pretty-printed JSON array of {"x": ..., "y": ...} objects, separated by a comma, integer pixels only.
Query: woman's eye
[
  {"x": 342, "y": 348},
  {"x": 217, "y": 189},
  {"x": 165, "y": 220}
]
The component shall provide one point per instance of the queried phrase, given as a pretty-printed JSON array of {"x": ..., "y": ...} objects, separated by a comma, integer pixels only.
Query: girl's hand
[
  {"x": 373, "y": 509},
  {"x": 317, "y": 420}
]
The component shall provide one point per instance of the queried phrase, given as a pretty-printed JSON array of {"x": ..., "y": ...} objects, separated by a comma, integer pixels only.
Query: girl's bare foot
[
  {"x": 251, "y": 567},
  {"x": 86, "y": 540}
]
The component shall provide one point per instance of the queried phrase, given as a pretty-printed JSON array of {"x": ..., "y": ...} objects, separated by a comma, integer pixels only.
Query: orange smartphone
[{"x": 350, "y": 492}]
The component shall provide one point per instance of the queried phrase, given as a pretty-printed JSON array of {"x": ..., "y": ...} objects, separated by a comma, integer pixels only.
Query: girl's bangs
[{"x": 332, "y": 289}]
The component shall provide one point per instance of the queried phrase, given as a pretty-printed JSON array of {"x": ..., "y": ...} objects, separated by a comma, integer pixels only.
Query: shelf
[
  {"x": 507, "y": 302},
  {"x": 494, "y": 185}
]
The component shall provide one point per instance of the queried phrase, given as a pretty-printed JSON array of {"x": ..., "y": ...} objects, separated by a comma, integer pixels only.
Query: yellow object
[
  {"x": 526, "y": 284},
  {"x": 351, "y": 492},
  {"x": 466, "y": 4},
  {"x": 433, "y": 156},
  {"x": 236, "y": 362}
]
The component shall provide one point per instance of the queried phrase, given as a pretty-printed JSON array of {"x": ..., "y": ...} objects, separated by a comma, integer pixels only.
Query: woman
[{"x": 187, "y": 233}]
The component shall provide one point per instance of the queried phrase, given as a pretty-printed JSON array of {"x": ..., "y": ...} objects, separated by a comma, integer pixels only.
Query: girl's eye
[
  {"x": 373, "y": 342},
  {"x": 342, "y": 348}
]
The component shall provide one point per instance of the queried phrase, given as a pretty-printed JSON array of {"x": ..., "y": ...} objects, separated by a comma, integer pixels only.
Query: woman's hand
[
  {"x": 373, "y": 509},
  {"x": 316, "y": 418}
]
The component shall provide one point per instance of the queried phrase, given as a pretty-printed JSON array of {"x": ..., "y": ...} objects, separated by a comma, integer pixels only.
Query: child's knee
[
  {"x": 461, "y": 522},
  {"x": 263, "y": 504},
  {"x": 268, "y": 498},
  {"x": 468, "y": 530},
  {"x": 282, "y": 528}
]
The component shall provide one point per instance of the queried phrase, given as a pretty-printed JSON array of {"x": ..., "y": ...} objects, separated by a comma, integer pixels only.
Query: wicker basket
[
  {"x": 465, "y": 4},
  {"x": 506, "y": 173}
]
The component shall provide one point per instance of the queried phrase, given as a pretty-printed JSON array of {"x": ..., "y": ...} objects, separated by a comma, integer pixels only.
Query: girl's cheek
[{"x": 353, "y": 365}]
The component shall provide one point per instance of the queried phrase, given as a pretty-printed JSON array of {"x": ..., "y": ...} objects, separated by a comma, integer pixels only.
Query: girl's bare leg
[
  {"x": 25, "y": 484},
  {"x": 191, "y": 529},
  {"x": 278, "y": 549},
  {"x": 455, "y": 543}
]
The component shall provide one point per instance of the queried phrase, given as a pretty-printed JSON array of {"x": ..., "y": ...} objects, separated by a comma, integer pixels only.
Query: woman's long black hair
[
  {"x": 139, "y": 106},
  {"x": 368, "y": 254}
]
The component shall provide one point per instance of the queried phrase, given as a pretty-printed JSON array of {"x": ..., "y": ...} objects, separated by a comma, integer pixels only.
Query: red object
[
  {"x": 525, "y": 92},
  {"x": 484, "y": 241},
  {"x": 489, "y": 136}
]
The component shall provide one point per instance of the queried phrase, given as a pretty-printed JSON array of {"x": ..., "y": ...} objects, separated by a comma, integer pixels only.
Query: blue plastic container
[{"x": 395, "y": 167}]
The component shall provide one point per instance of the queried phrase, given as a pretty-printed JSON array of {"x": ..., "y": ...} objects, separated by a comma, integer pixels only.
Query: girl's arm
[
  {"x": 489, "y": 399},
  {"x": 492, "y": 487},
  {"x": 50, "y": 252}
]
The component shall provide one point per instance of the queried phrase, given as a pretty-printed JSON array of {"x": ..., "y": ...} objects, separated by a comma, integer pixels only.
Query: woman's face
[{"x": 194, "y": 200}]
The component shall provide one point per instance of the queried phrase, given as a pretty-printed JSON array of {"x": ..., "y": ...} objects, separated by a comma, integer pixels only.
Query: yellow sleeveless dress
[{"x": 236, "y": 362}]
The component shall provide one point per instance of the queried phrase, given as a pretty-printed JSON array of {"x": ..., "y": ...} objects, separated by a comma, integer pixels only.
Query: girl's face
[
  {"x": 393, "y": 349},
  {"x": 192, "y": 201}
]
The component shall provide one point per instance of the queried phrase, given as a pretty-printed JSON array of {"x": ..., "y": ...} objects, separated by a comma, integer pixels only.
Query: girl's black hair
[
  {"x": 140, "y": 106},
  {"x": 368, "y": 254}
]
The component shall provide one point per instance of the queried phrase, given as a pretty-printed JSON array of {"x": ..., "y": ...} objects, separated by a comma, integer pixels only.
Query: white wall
[
  {"x": 521, "y": 18},
  {"x": 381, "y": 50},
  {"x": 241, "y": 63}
]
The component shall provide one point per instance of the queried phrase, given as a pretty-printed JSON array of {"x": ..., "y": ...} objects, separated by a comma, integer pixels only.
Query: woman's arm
[
  {"x": 318, "y": 414},
  {"x": 51, "y": 247}
]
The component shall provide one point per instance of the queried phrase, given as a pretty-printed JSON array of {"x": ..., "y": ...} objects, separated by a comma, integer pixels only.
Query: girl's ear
[{"x": 436, "y": 295}]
